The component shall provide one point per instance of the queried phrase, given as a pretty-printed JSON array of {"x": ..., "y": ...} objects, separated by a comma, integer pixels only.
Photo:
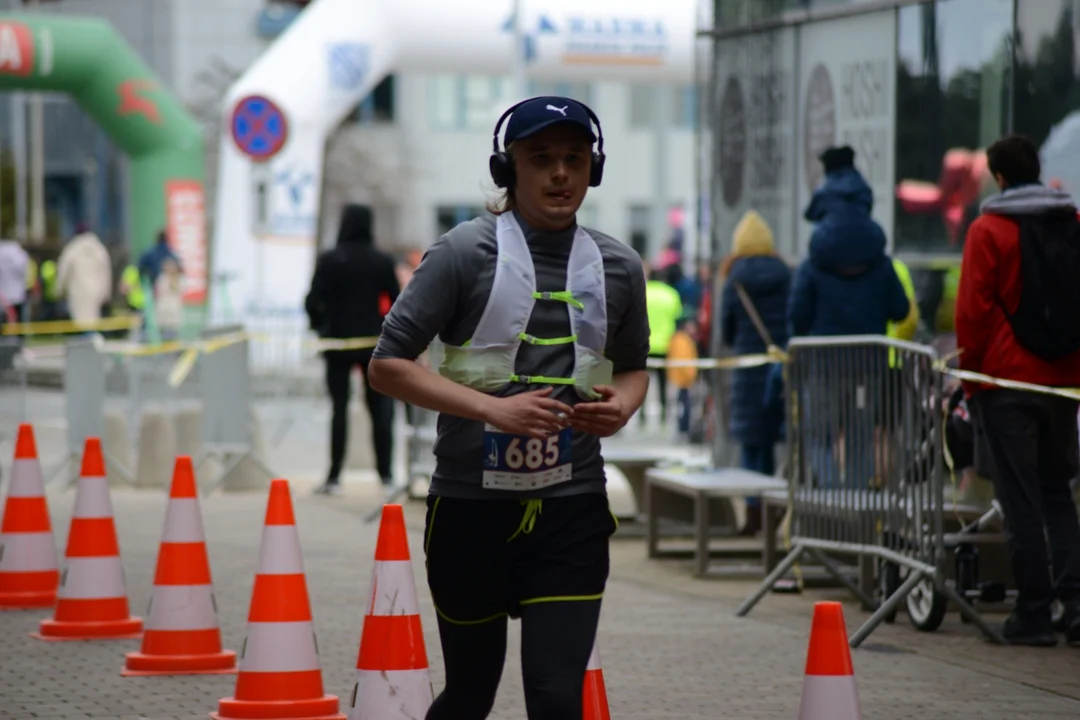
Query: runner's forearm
[
  {"x": 409, "y": 382},
  {"x": 632, "y": 386}
]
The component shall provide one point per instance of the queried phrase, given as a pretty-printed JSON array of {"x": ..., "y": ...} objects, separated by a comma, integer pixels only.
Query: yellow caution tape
[
  {"x": 359, "y": 343},
  {"x": 134, "y": 349},
  {"x": 183, "y": 367},
  {"x": 189, "y": 352},
  {"x": 71, "y": 327},
  {"x": 1071, "y": 393},
  {"x": 776, "y": 355},
  {"x": 137, "y": 349},
  {"x": 738, "y": 362}
]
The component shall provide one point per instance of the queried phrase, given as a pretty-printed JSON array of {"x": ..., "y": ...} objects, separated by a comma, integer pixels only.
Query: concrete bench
[
  {"x": 633, "y": 462},
  {"x": 708, "y": 491}
]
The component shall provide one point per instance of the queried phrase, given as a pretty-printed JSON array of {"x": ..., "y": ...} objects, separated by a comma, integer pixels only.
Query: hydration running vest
[{"x": 487, "y": 361}]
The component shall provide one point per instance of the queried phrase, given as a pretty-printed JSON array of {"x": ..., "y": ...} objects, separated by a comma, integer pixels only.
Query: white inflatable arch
[{"x": 279, "y": 114}]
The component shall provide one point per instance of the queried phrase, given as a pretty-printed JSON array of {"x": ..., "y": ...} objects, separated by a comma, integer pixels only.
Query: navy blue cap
[{"x": 534, "y": 115}]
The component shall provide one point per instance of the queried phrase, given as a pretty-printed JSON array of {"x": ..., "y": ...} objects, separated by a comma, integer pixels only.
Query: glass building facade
[{"x": 918, "y": 89}]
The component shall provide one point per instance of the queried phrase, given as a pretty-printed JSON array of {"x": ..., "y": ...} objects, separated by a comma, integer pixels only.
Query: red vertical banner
[{"x": 186, "y": 221}]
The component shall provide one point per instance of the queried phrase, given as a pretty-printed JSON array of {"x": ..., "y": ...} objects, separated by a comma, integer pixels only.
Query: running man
[{"x": 546, "y": 339}]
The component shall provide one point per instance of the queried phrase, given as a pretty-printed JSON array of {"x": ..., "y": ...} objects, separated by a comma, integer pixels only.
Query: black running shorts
[{"x": 488, "y": 558}]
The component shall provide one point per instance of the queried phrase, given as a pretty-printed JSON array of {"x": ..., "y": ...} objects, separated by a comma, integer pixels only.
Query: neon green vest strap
[
  {"x": 533, "y": 340},
  {"x": 560, "y": 296}
]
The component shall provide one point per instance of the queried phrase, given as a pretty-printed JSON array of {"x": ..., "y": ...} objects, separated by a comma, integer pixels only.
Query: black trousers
[
  {"x": 380, "y": 407},
  {"x": 543, "y": 561},
  {"x": 1032, "y": 443}
]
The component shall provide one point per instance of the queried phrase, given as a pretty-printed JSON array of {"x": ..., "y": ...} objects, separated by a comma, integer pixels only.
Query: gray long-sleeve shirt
[{"x": 446, "y": 297}]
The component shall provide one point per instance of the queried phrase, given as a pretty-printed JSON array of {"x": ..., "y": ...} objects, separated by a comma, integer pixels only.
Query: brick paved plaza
[
  {"x": 667, "y": 653},
  {"x": 671, "y": 645}
]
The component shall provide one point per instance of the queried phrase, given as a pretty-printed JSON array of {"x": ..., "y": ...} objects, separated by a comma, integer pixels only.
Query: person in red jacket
[{"x": 1031, "y": 437}]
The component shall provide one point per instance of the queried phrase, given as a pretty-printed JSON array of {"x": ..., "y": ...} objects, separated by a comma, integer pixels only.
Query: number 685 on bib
[{"x": 515, "y": 462}]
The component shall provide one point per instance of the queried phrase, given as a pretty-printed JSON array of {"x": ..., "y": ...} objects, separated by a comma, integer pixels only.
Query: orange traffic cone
[
  {"x": 595, "y": 695},
  {"x": 829, "y": 687},
  {"x": 182, "y": 635},
  {"x": 279, "y": 675},
  {"x": 29, "y": 574},
  {"x": 92, "y": 603},
  {"x": 392, "y": 680}
]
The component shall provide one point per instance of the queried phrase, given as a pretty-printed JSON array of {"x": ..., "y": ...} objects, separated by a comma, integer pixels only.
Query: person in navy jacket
[
  {"x": 766, "y": 280},
  {"x": 846, "y": 286}
]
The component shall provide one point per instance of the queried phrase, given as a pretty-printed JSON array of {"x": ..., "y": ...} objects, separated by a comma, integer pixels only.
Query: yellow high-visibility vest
[
  {"x": 905, "y": 329},
  {"x": 48, "y": 281},
  {"x": 136, "y": 297}
]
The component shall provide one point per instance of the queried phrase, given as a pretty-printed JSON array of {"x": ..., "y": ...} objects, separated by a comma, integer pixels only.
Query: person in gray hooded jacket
[
  {"x": 1016, "y": 319},
  {"x": 546, "y": 340}
]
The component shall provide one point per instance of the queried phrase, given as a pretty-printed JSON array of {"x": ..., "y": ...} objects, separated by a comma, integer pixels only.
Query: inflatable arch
[
  {"x": 85, "y": 58},
  {"x": 278, "y": 116}
]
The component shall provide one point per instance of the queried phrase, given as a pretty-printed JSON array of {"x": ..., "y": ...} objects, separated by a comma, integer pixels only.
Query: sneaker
[
  {"x": 329, "y": 488},
  {"x": 1069, "y": 624},
  {"x": 1021, "y": 630}
]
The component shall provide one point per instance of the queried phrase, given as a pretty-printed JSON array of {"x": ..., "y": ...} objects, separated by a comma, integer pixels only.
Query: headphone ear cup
[
  {"x": 502, "y": 169},
  {"x": 596, "y": 174}
]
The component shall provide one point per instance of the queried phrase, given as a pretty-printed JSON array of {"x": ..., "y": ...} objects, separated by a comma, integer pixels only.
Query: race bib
[{"x": 516, "y": 462}]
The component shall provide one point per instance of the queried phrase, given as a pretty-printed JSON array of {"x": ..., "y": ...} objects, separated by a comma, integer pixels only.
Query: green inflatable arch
[{"x": 87, "y": 59}]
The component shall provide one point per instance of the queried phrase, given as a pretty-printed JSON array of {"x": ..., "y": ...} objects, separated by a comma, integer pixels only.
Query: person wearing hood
[
  {"x": 351, "y": 292},
  {"x": 765, "y": 280},
  {"x": 847, "y": 285},
  {"x": 153, "y": 260},
  {"x": 84, "y": 277},
  {"x": 1016, "y": 319}
]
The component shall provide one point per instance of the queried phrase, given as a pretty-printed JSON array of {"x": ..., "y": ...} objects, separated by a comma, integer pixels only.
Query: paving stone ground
[
  {"x": 667, "y": 654},
  {"x": 671, "y": 645}
]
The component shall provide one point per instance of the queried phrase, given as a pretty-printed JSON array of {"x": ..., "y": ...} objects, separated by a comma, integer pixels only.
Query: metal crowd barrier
[
  {"x": 13, "y": 387},
  {"x": 217, "y": 376},
  {"x": 866, "y": 469},
  {"x": 421, "y": 430}
]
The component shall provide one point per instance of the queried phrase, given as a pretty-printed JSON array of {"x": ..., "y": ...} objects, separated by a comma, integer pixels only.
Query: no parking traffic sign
[{"x": 259, "y": 127}]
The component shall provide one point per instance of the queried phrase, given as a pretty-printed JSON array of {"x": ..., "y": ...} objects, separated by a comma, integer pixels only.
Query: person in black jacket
[{"x": 352, "y": 290}]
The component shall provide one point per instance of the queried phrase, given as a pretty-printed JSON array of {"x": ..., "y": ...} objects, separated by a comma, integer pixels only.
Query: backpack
[{"x": 1046, "y": 319}]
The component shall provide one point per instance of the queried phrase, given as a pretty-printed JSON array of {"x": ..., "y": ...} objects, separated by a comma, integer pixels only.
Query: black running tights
[{"x": 556, "y": 641}]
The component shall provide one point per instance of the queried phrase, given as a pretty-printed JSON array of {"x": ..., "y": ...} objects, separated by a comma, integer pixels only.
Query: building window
[
  {"x": 644, "y": 100},
  {"x": 582, "y": 92},
  {"x": 731, "y": 13},
  {"x": 378, "y": 106},
  {"x": 640, "y": 223},
  {"x": 459, "y": 102},
  {"x": 685, "y": 110},
  {"x": 953, "y": 86},
  {"x": 1046, "y": 106},
  {"x": 448, "y": 217}
]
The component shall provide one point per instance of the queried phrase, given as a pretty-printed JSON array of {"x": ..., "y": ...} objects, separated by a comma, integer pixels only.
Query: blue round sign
[{"x": 259, "y": 127}]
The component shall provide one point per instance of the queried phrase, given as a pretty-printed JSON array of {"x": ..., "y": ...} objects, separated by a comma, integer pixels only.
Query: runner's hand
[
  {"x": 534, "y": 414},
  {"x": 604, "y": 417}
]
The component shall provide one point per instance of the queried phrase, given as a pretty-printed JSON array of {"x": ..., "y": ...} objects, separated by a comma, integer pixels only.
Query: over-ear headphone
[{"x": 501, "y": 164}]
